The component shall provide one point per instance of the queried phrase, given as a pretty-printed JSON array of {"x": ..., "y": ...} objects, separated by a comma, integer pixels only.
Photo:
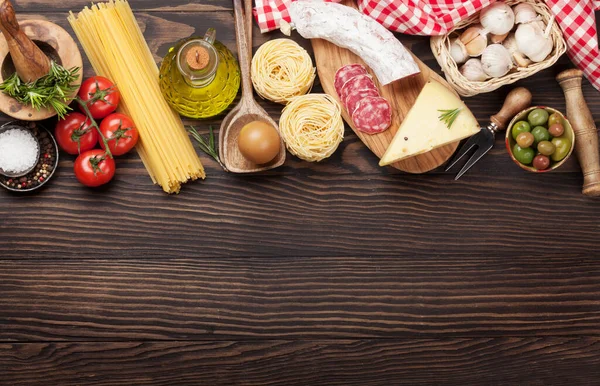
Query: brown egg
[{"x": 259, "y": 142}]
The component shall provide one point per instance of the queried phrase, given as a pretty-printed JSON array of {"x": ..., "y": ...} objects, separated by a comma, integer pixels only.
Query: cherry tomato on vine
[
  {"x": 120, "y": 132},
  {"x": 100, "y": 95},
  {"x": 75, "y": 134},
  {"x": 94, "y": 168}
]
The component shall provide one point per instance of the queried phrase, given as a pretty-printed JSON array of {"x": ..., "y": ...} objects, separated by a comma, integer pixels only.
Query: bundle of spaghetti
[
  {"x": 312, "y": 126},
  {"x": 282, "y": 70},
  {"x": 116, "y": 48}
]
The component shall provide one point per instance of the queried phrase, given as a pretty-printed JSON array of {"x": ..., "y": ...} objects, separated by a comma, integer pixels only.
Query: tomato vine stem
[{"x": 88, "y": 114}]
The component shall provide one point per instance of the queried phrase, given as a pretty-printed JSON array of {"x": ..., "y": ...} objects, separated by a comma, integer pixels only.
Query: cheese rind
[{"x": 422, "y": 130}]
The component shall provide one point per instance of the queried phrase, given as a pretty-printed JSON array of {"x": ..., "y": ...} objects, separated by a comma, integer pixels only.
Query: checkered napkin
[{"x": 436, "y": 17}]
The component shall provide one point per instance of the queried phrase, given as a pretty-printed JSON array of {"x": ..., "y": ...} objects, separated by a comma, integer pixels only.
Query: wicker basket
[{"x": 440, "y": 45}]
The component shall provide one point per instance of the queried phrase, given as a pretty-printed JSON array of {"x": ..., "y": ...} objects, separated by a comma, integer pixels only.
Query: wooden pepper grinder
[
  {"x": 586, "y": 134},
  {"x": 29, "y": 60}
]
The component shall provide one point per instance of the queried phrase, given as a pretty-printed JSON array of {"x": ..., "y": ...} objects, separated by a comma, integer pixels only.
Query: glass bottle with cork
[{"x": 200, "y": 77}]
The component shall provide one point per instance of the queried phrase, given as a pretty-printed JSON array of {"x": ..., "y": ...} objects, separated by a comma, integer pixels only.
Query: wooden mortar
[
  {"x": 586, "y": 133},
  {"x": 21, "y": 47}
]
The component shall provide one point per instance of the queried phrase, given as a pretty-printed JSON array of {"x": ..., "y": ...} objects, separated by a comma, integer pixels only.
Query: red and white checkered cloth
[{"x": 436, "y": 17}]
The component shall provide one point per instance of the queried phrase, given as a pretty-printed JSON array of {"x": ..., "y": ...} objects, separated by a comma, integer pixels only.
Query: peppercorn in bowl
[{"x": 28, "y": 156}]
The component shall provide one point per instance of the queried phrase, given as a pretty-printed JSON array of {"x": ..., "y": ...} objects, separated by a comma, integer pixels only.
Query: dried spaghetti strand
[{"x": 116, "y": 48}]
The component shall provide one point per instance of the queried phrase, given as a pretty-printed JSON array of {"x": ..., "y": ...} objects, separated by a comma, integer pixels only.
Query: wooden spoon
[
  {"x": 233, "y": 112},
  {"x": 247, "y": 110},
  {"x": 30, "y": 62}
]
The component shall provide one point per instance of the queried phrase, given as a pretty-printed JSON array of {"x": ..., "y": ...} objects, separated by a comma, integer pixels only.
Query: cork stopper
[{"x": 197, "y": 58}]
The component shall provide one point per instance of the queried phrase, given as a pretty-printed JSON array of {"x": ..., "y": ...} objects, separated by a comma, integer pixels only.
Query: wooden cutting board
[{"x": 401, "y": 94}]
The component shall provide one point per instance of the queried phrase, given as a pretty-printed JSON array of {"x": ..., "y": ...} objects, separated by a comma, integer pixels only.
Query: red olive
[
  {"x": 541, "y": 162},
  {"x": 556, "y": 130}
]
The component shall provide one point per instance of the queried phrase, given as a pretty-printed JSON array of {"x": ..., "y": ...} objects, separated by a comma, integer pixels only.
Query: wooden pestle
[
  {"x": 517, "y": 100},
  {"x": 29, "y": 60},
  {"x": 586, "y": 134}
]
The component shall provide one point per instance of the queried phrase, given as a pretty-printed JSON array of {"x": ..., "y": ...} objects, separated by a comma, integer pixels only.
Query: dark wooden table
[{"x": 331, "y": 273}]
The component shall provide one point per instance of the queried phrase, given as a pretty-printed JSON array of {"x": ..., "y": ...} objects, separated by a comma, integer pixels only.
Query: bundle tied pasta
[
  {"x": 282, "y": 70},
  {"x": 116, "y": 48},
  {"x": 312, "y": 126}
]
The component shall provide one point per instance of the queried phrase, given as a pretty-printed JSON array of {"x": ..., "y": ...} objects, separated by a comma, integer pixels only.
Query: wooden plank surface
[
  {"x": 264, "y": 298},
  {"x": 484, "y": 361},
  {"x": 336, "y": 273}
]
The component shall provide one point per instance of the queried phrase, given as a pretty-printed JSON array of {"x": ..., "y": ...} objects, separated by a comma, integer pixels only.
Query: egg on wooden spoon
[{"x": 259, "y": 142}]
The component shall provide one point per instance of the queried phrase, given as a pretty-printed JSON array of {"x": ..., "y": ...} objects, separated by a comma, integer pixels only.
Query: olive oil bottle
[{"x": 200, "y": 77}]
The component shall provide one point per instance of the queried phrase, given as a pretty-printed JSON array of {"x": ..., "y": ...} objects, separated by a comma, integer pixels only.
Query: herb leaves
[
  {"x": 449, "y": 116},
  {"x": 52, "y": 90}
]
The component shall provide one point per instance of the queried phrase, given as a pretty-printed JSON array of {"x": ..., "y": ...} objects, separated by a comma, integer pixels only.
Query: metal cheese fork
[{"x": 516, "y": 100}]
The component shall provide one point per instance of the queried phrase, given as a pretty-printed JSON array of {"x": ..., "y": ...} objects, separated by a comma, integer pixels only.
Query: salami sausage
[
  {"x": 356, "y": 96},
  {"x": 360, "y": 82},
  {"x": 346, "y": 73},
  {"x": 372, "y": 115},
  {"x": 346, "y": 27}
]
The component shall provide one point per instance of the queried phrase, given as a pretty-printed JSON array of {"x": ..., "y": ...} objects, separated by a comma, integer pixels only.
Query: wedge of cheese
[{"x": 423, "y": 130}]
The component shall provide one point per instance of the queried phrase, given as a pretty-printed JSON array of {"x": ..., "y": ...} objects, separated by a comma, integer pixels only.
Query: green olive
[
  {"x": 538, "y": 117},
  {"x": 523, "y": 155},
  {"x": 520, "y": 127},
  {"x": 540, "y": 134},
  {"x": 525, "y": 139},
  {"x": 563, "y": 146},
  {"x": 556, "y": 130},
  {"x": 546, "y": 148},
  {"x": 554, "y": 118}
]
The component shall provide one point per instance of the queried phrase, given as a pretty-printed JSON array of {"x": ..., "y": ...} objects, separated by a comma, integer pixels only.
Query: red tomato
[
  {"x": 120, "y": 132},
  {"x": 100, "y": 95},
  {"x": 75, "y": 133},
  {"x": 94, "y": 168}
]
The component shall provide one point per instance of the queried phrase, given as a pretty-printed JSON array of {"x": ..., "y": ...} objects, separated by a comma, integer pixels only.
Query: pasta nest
[{"x": 312, "y": 126}]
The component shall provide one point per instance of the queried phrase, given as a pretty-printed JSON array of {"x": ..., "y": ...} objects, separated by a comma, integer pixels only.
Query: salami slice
[
  {"x": 360, "y": 82},
  {"x": 346, "y": 73},
  {"x": 356, "y": 96},
  {"x": 372, "y": 115}
]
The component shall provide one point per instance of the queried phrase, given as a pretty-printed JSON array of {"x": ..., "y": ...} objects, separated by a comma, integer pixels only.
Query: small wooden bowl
[
  {"x": 58, "y": 45},
  {"x": 522, "y": 116}
]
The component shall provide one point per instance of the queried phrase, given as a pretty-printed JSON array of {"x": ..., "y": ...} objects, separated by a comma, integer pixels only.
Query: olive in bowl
[{"x": 540, "y": 139}]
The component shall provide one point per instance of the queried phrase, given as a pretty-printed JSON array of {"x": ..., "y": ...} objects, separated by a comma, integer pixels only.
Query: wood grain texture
[
  {"x": 29, "y": 60},
  {"x": 62, "y": 44},
  {"x": 157, "y": 6},
  {"x": 484, "y": 361},
  {"x": 247, "y": 110},
  {"x": 401, "y": 95},
  {"x": 299, "y": 298},
  {"x": 301, "y": 213},
  {"x": 336, "y": 273},
  {"x": 585, "y": 130}
]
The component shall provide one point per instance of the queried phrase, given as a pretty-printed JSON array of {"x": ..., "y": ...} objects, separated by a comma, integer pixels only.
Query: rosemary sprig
[
  {"x": 209, "y": 146},
  {"x": 448, "y": 116},
  {"x": 51, "y": 90}
]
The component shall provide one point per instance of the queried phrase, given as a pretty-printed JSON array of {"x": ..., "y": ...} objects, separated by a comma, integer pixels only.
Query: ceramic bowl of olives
[{"x": 540, "y": 139}]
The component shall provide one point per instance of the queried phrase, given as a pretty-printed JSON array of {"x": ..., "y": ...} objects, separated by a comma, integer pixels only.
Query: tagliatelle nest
[
  {"x": 312, "y": 126},
  {"x": 282, "y": 70}
]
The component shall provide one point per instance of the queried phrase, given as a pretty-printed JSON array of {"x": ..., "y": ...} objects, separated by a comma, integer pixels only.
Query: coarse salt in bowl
[{"x": 19, "y": 151}]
